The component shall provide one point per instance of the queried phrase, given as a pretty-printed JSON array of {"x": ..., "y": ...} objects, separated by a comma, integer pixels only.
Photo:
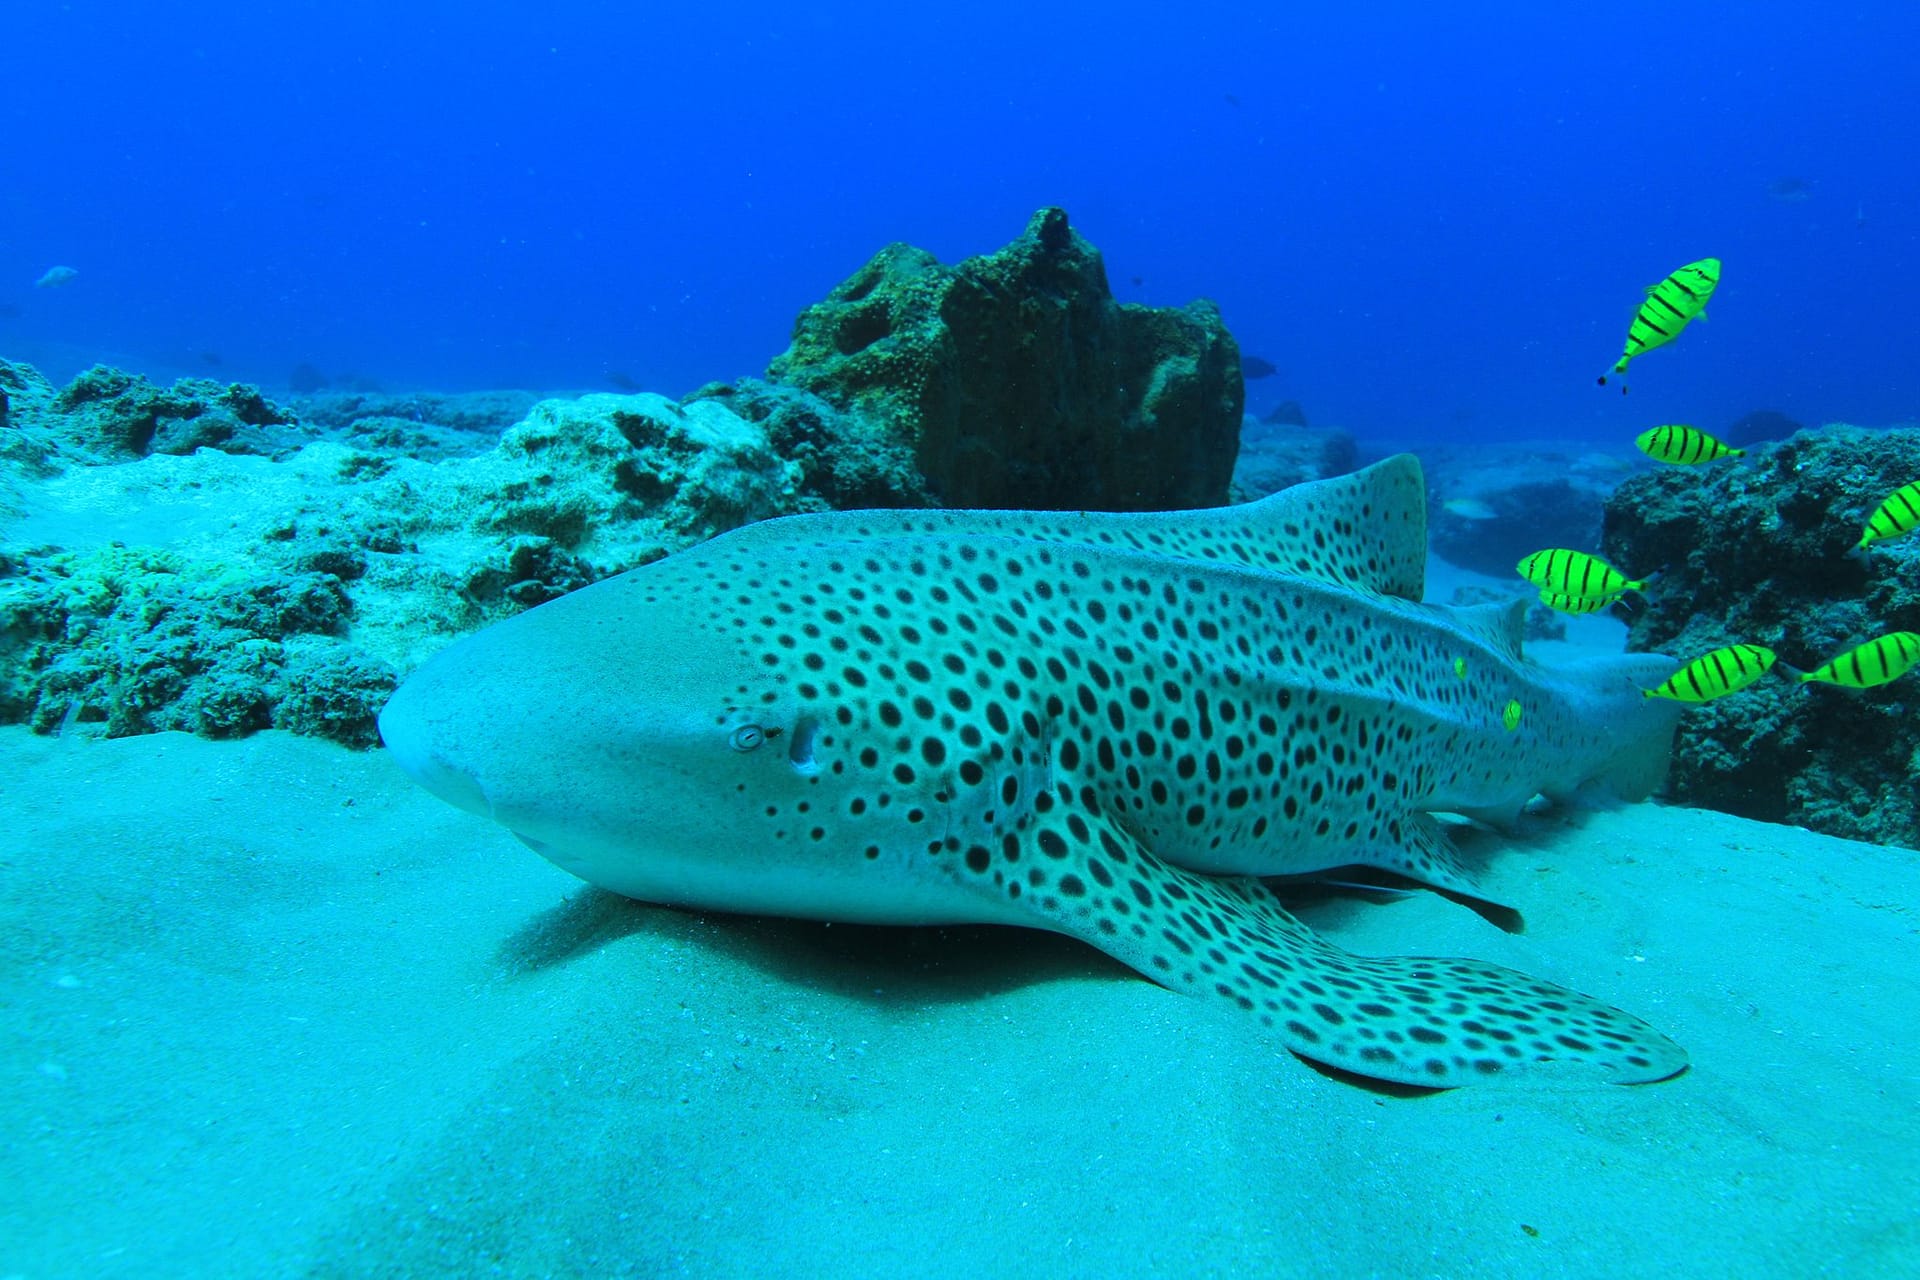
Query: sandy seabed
[{"x": 269, "y": 1010}]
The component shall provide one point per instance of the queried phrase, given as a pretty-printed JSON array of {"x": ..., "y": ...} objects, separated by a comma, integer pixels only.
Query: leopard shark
[{"x": 1116, "y": 726}]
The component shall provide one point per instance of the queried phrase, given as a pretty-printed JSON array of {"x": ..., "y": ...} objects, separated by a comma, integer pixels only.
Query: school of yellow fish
[{"x": 1575, "y": 582}]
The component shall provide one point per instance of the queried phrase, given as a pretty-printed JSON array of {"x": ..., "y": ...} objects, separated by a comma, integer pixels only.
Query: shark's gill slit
[{"x": 800, "y": 745}]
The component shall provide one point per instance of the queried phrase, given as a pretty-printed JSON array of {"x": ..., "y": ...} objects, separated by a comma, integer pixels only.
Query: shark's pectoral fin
[
  {"x": 1414, "y": 1020},
  {"x": 1418, "y": 848}
]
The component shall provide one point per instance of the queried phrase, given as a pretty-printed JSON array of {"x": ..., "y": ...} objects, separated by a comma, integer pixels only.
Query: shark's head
[{"x": 669, "y": 735}]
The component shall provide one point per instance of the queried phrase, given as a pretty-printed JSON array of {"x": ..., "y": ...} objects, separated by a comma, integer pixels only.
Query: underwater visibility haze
[{"x": 1430, "y": 219}]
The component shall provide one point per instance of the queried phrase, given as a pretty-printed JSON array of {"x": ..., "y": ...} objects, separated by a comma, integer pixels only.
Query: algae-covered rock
[
  {"x": 141, "y": 640},
  {"x": 1015, "y": 380},
  {"x": 1756, "y": 550},
  {"x": 119, "y": 415},
  {"x": 845, "y": 460},
  {"x": 220, "y": 594}
]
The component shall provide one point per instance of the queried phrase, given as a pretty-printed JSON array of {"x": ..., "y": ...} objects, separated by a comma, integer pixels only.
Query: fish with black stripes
[
  {"x": 1684, "y": 446},
  {"x": 1877, "y": 662},
  {"x": 1716, "y": 674},
  {"x": 1671, "y": 305},
  {"x": 1558, "y": 571},
  {"x": 1898, "y": 516}
]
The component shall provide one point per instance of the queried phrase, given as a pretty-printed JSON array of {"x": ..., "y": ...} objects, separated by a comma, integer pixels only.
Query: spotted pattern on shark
[{"x": 1110, "y": 726}]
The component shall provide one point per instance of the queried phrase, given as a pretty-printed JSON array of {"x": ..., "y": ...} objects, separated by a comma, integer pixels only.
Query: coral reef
[
  {"x": 143, "y": 640},
  {"x": 1756, "y": 550},
  {"x": 291, "y": 592},
  {"x": 122, "y": 415},
  {"x": 846, "y": 459},
  {"x": 1016, "y": 380}
]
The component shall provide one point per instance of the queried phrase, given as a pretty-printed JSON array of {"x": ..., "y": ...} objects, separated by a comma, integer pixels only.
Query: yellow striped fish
[
  {"x": 1669, "y": 306},
  {"x": 1873, "y": 663},
  {"x": 1715, "y": 675},
  {"x": 1560, "y": 572},
  {"x": 1898, "y": 515},
  {"x": 1684, "y": 446},
  {"x": 1576, "y": 604}
]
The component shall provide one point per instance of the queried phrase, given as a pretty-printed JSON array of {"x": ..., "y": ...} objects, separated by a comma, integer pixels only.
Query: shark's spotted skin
[{"x": 1105, "y": 725}]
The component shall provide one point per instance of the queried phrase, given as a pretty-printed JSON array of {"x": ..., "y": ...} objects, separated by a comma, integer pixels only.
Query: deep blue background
[{"x": 1435, "y": 220}]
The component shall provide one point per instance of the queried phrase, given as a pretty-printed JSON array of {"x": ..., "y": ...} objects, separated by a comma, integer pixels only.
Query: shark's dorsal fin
[
  {"x": 1366, "y": 530},
  {"x": 1501, "y": 625}
]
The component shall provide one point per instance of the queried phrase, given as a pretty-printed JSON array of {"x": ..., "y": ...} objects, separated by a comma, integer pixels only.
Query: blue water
[{"x": 1436, "y": 220}]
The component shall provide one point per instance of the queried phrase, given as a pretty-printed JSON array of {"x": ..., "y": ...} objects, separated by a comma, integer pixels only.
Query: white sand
[{"x": 270, "y": 1011}]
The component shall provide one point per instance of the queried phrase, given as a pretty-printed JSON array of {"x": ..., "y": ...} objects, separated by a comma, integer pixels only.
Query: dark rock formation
[
  {"x": 1015, "y": 379},
  {"x": 1756, "y": 550}
]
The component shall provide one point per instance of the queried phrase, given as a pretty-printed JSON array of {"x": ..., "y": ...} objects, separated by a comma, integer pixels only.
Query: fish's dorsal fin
[
  {"x": 1365, "y": 530},
  {"x": 1501, "y": 625}
]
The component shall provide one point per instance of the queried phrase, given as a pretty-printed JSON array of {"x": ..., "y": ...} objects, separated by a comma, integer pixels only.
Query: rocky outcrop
[
  {"x": 291, "y": 593},
  {"x": 1015, "y": 380},
  {"x": 1756, "y": 550},
  {"x": 122, "y": 415}
]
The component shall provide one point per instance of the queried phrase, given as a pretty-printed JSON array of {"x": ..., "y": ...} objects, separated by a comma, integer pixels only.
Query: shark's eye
[{"x": 746, "y": 737}]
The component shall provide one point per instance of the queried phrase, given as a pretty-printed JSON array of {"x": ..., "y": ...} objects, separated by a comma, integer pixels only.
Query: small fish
[
  {"x": 1252, "y": 367},
  {"x": 1684, "y": 446},
  {"x": 1897, "y": 516},
  {"x": 1874, "y": 663},
  {"x": 1561, "y": 572},
  {"x": 1460, "y": 667},
  {"x": 1576, "y": 604},
  {"x": 1468, "y": 509},
  {"x": 1790, "y": 190},
  {"x": 55, "y": 277},
  {"x": 1670, "y": 305},
  {"x": 1510, "y": 717},
  {"x": 1716, "y": 674}
]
